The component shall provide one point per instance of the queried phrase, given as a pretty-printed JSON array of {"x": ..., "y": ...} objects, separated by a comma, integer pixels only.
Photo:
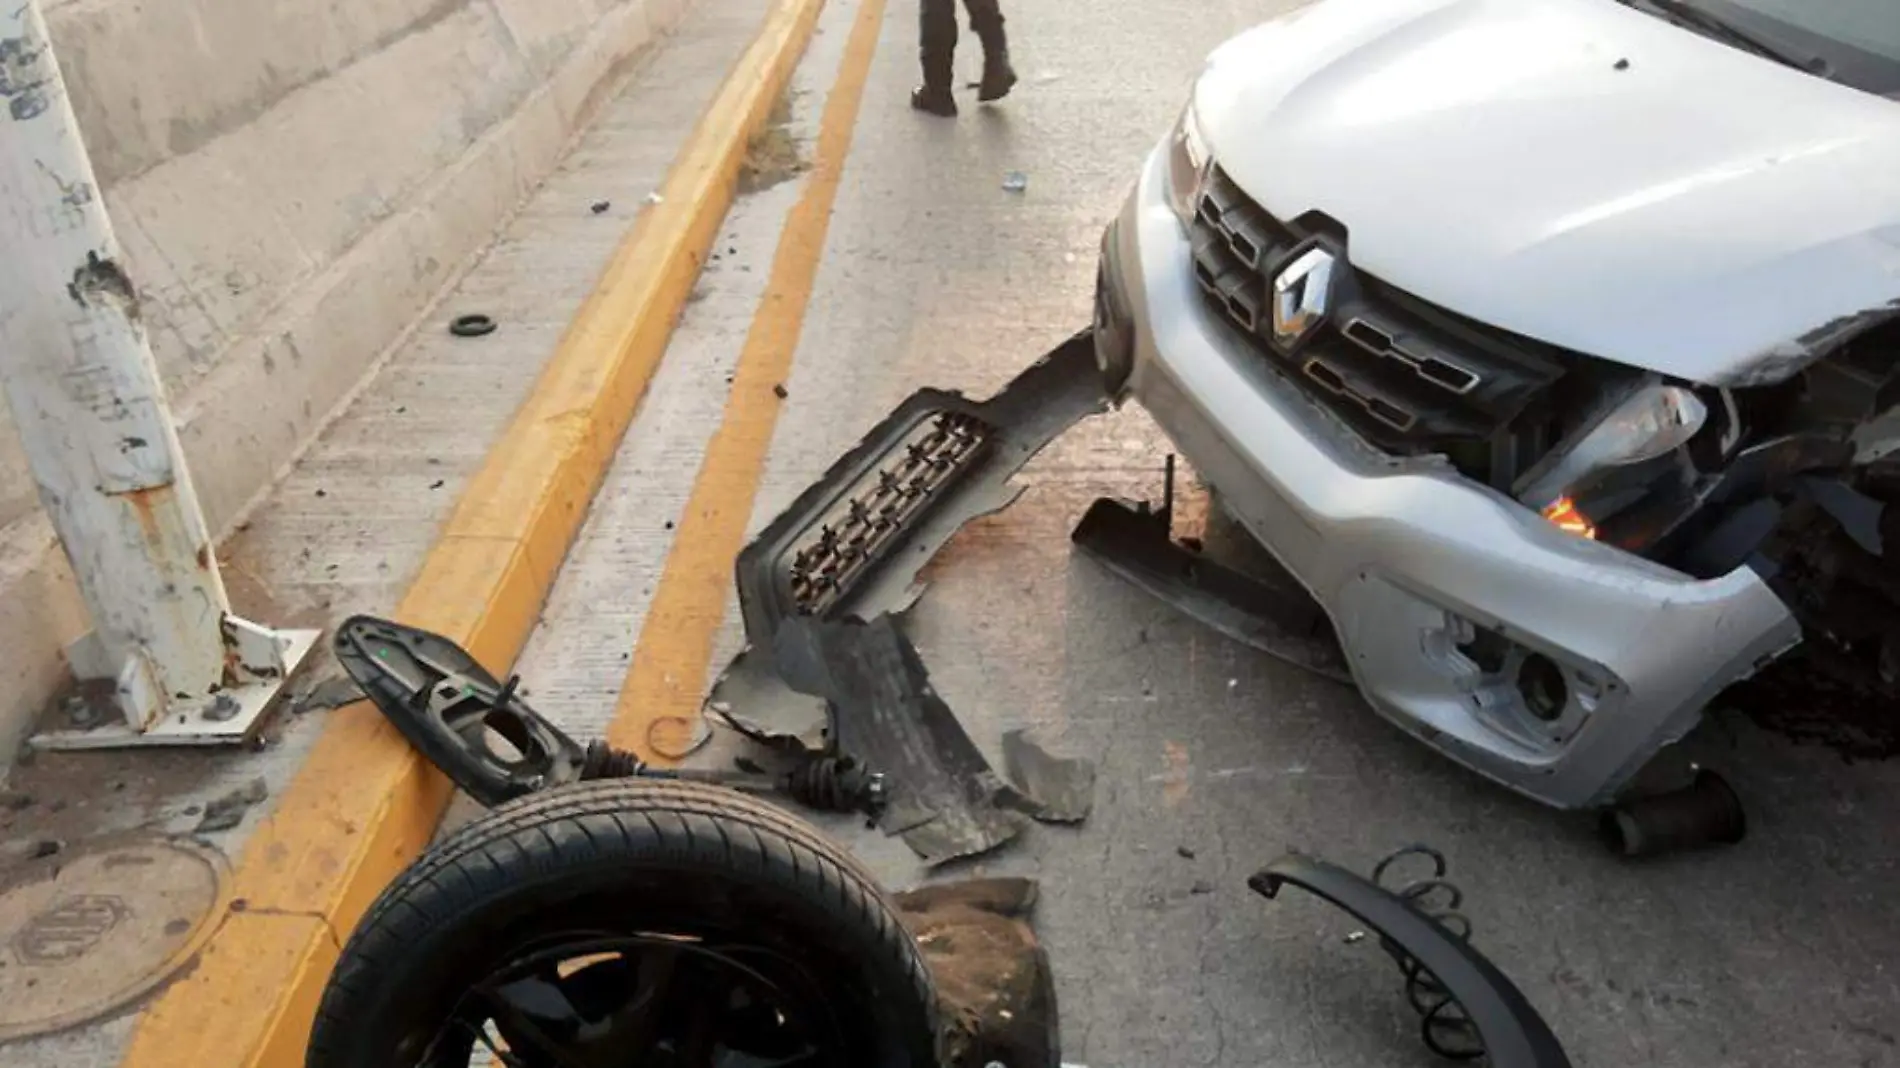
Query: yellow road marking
[
  {"x": 660, "y": 699},
  {"x": 364, "y": 804}
]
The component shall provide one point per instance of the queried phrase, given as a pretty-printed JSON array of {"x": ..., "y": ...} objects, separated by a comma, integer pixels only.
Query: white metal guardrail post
[{"x": 92, "y": 414}]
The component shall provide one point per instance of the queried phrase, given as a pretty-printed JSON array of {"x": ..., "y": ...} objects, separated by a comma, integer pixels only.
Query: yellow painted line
[
  {"x": 364, "y": 804},
  {"x": 660, "y": 700}
]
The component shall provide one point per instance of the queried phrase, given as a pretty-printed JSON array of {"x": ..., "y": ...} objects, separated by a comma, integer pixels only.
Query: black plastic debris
[
  {"x": 1467, "y": 1008},
  {"x": 473, "y": 325},
  {"x": 1707, "y": 812},
  {"x": 455, "y": 713},
  {"x": 827, "y": 666},
  {"x": 944, "y": 799},
  {"x": 1058, "y": 789},
  {"x": 1134, "y": 542}
]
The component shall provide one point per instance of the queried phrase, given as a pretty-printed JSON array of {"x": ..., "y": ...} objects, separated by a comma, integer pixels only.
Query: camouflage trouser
[{"x": 938, "y": 35}]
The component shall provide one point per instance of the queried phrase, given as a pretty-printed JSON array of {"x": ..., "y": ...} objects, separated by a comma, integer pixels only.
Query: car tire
[{"x": 625, "y": 855}]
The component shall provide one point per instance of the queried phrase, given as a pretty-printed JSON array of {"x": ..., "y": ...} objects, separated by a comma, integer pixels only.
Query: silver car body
[{"x": 1422, "y": 127}]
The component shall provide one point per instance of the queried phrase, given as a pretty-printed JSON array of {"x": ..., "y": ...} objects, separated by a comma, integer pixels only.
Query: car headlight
[
  {"x": 1651, "y": 423},
  {"x": 1187, "y": 164}
]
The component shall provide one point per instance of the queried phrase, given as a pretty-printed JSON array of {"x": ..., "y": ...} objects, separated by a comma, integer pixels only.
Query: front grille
[{"x": 1410, "y": 377}]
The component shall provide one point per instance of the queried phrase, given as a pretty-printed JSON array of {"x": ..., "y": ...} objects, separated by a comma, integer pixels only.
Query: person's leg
[
  {"x": 937, "y": 39},
  {"x": 986, "y": 21}
]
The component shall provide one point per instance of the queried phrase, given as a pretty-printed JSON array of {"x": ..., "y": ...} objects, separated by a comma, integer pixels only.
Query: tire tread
[{"x": 534, "y": 839}]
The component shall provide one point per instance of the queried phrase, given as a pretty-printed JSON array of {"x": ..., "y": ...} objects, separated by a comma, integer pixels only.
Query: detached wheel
[{"x": 628, "y": 922}]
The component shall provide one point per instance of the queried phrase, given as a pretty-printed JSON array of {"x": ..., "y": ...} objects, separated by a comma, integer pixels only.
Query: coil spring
[
  {"x": 835, "y": 784},
  {"x": 1444, "y": 1025}
]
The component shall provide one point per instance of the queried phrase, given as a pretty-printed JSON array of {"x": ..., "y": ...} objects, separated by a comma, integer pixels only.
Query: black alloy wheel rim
[{"x": 594, "y": 1000}]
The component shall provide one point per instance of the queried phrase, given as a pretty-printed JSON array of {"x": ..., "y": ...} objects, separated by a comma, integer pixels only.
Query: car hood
[{"x": 1574, "y": 171}]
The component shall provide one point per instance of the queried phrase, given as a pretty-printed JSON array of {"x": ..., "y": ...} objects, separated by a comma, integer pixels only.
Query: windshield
[{"x": 1856, "y": 41}]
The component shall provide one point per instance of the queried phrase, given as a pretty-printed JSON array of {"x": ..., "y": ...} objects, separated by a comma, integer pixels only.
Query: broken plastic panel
[
  {"x": 491, "y": 744},
  {"x": 453, "y": 711},
  {"x": 1135, "y": 543},
  {"x": 1467, "y": 1007},
  {"x": 827, "y": 664},
  {"x": 891, "y": 502}
]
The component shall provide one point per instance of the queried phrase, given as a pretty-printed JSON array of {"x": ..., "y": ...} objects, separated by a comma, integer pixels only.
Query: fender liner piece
[
  {"x": 1513, "y": 1033},
  {"x": 824, "y": 586}
]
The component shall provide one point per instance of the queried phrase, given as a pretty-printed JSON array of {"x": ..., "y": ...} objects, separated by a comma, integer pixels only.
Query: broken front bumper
[{"x": 1451, "y": 601}]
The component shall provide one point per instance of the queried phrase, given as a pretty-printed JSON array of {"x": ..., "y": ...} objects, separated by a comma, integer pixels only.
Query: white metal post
[{"x": 92, "y": 415}]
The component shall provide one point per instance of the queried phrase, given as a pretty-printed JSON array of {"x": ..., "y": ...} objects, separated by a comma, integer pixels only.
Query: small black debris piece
[
  {"x": 474, "y": 325},
  {"x": 1622, "y": 64},
  {"x": 1184, "y": 852},
  {"x": 779, "y": 391},
  {"x": 600, "y": 207}
]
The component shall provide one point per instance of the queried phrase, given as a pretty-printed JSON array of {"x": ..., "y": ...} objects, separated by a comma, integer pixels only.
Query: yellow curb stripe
[
  {"x": 364, "y": 804},
  {"x": 660, "y": 699}
]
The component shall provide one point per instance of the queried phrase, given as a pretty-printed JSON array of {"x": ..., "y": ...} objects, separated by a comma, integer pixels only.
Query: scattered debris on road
[
  {"x": 1134, "y": 542},
  {"x": 823, "y": 589},
  {"x": 228, "y": 811},
  {"x": 1059, "y": 789},
  {"x": 1015, "y": 182},
  {"x": 472, "y": 325},
  {"x": 1467, "y": 1008},
  {"x": 453, "y": 712},
  {"x": 334, "y": 691},
  {"x": 771, "y": 155},
  {"x": 992, "y": 974}
]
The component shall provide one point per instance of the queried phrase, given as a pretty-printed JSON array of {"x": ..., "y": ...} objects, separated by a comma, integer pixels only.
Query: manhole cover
[{"x": 86, "y": 931}]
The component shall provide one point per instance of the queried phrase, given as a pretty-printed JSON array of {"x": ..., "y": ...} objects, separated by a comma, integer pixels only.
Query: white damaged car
[{"x": 1551, "y": 345}]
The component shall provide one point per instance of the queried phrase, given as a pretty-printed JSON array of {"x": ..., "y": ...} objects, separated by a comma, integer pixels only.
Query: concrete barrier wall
[{"x": 292, "y": 181}]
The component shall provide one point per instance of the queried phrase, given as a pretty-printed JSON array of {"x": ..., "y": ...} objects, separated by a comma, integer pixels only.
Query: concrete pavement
[
  {"x": 347, "y": 531},
  {"x": 1213, "y": 759}
]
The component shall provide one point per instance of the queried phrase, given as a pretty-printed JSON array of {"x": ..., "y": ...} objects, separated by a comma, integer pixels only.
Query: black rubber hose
[{"x": 1707, "y": 812}]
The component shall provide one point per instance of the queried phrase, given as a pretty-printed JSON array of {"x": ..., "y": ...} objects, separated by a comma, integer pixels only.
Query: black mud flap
[
  {"x": 450, "y": 708},
  {"x": 1135, "y": 543},
  {"x": 1468, "y": 1008},
  {"x": 821, "y": 589}
]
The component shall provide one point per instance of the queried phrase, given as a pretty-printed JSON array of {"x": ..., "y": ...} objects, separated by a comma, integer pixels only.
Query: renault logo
[{"x": 1301, "y": 294}]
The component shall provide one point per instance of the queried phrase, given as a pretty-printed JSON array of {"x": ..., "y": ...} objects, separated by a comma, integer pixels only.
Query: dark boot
[
  {"x": 938, "y": 37},
  {"x": 934, "y": 100},
  {"x": 986, "y": 20},
  {"x": 998, "y": 76}
]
